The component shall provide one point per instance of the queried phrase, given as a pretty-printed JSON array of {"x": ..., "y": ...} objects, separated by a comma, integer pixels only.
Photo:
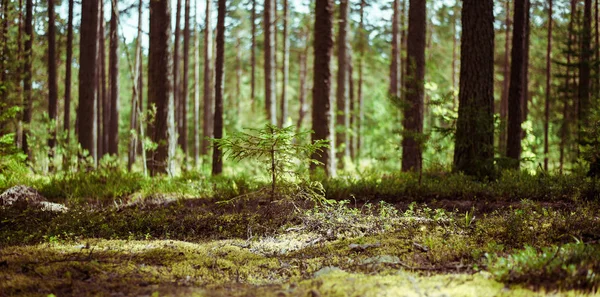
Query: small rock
[
  {"x": 27, "y": 197},
  {"x": 326, "y": 270},
  {"x": 381, "y": 259}
]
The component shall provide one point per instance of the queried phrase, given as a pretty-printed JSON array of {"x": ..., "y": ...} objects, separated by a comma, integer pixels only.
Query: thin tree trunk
[
  {"x": 341, "y": 119},
  {"x": 506, "y": 83},
  {"x": 395, "y": 65},
  {"x": 253, "y": 58},
  {"x": 270, "y": 63},
  {"x": 88, "y": 51},
  {"x": 238, "y": 76},
  {"x": 52, "y": 80},
  {"x": 597, "y": 46},
  {"x": 196, "y": 88},
  {"x": 415, "y": 73},
  {"x": 68, "y": 70},
  {"x": 321, "y": 110},
  {"x": 185, "y": 85},
  {"x": 217, "y": 167},
  {"x": 351, "y": 108},
  {"x": 525, "y": 100},
  {"x": 285, "y": 68},
  {"x": 548, "y": 85},
  {"x": 4, "y": 59},
  {"x": 566, "y": 115},
  {"x": 303, "y": 84},
  {"x": 136, "y": 98},
  {"x": 516, "y": 90},
  {"x": 361, "y": 56},
  {"x": 19, "y": 75},
  {"x": 113, "y": 69},
  {"x": 103, "y": 104},
  {"x": 176, "y": 79},
  {"x": 584, "y": 69},
  {"x": 160, "y": 86},
  {"x": 454, "y": 52},
  {"x": 207, "y": 123},
  {"x": 27, "y": 74}
]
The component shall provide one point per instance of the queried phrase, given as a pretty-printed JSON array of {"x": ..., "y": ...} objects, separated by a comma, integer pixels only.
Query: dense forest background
[{"x": 45, "y": 50}]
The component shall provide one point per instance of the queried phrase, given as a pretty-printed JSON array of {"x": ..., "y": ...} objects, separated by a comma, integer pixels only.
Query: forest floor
[
  {"x": 295, "y": 245},
  {"x": 247, "y": 248}
]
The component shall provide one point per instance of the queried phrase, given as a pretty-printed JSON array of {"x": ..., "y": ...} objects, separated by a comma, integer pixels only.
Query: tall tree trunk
[
  {"x": 113, "y": 69},
  {"x": 454, "y": 51},
  {"x": 68, "y": 70},
  {"x": 253, "y": 58},
  {"x": 159, "y": 85},
  {"x": 351, "y": 108},
  {"x": 285, "y": 68},
  {"x": 474, "y": 150},
  {"x": 525, "y": 100},
  {"x": 19, "y": 75},
  {"x": 27, "y": 74},
  {"x": 548, "y": 85},
  {"x": 566, "y": 106},
  {"x": 176, "y": 79},
  {"x": 207, "y": 123},
  {"x": 597, "y": 46},
  {"x": 395, "y": 65},
  {"x": 52, "y": 80},
  {"x": 342, "y": 111},
  {"x": 196, "y": 88},
  {"x": 217, "y": 167},
  {"x": 516, "y": 90},
  {"x": 361, "y": 56},
  {"x": 270, "y": 80},
  {"x": 238, "y": 76},
  {"x": 104, "y": 104},
  {"x": 414, "y": 85},
  {"x": 584, "y": 68},
  {"x": 87, "y": 79},
  {"x": 321, "y": 110},
  {"x": 303, "y": 83},
  {"x": 4, "y": 57},
  {"x": 136, "y": 98},
  {"x": 185, "y": 84},
  {"x": 506, "y": 83}
]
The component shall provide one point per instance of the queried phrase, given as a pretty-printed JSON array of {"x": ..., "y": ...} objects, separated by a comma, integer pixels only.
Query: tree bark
[
  {"x": 87, "y": 79},
  {"x": 321, "y": 112},
  {"x": 269, "y": 45},
  {"x": 474, "y": 149},
  {"x": 414, "y": 86},
  {"x": 160, "y": 95},
  {"x": 52, "y": 80},
  {"x": 566, "y": 100},
  {"x": 548, "y": 85},
  {"x": 285, "y": 68},
  {"x": 27, "y": 74},
  {"x": 217, "y": 167},
  {"x": 516, "y": 90},
  {"x": 113, "y": 69},
  {"x": 506, "y": 84},
  {"x": 342, "y": 107},
  {"x": 207, "y": 123},
  {"x": 68, "y": 71},
  {"x": 183, "y": 134}
]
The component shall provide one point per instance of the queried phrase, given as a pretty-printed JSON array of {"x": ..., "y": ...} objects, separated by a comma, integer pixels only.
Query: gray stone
[{"x": 27, "y": 197}]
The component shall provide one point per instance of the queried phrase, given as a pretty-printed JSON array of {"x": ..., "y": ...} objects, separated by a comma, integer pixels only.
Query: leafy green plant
[{"x": 282, "y": 149}]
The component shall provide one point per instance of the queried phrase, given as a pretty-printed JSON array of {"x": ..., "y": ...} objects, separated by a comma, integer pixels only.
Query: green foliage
[
  {"x": 569, "y": 266},
  {"x": 283, "y": 151}
]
